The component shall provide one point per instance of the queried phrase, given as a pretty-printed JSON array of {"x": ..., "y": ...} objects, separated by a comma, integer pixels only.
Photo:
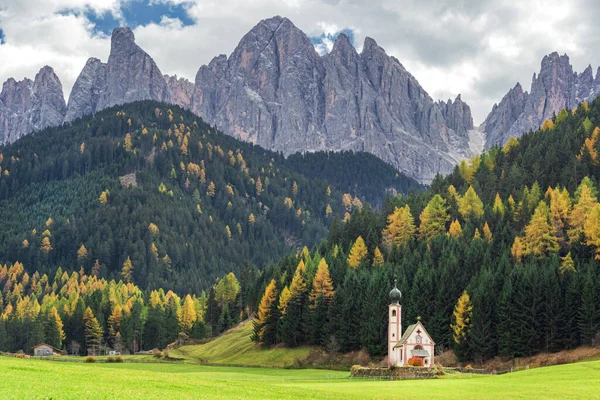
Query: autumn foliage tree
[
  {"x": 265, "y": 323},
  {"x": 400, "y": 227},
  {"x": 434, "y": 218},
  {"x": 358, "y": 253}
]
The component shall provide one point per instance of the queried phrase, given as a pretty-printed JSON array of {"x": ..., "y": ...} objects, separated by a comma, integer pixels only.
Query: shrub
[
  {"x": 110, "y": 359},
  {"x": 415, "y": 361},
  {"x": 159, "y": 354},
  {"x": 90, "y": 359},
  {"x": 118, "y": 359}
]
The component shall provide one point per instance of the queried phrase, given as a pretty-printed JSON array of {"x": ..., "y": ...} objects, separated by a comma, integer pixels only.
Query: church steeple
[{"x": 394, "y": 326}]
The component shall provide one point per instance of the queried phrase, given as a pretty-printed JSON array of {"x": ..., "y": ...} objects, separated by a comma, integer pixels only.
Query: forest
[
  {"x": 500, "y": 258},
  {"x": 153, "y": 184}
]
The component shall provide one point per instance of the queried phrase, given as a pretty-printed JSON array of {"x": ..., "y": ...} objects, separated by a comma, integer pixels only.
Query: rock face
[
  {"x": 180, "y": 91},
  {"x": 276, "y": 91},
  {"x": 129, "y": 75},
  {"x": 556, "y": 87},
  {"x": 28, "y": 105}
]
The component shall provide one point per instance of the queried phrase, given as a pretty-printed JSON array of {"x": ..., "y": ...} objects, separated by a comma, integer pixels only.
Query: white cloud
[{"x": 479, "y": 48}]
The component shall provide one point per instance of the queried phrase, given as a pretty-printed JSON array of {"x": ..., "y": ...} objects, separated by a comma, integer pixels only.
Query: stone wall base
[{"x": 396, "y": 372}]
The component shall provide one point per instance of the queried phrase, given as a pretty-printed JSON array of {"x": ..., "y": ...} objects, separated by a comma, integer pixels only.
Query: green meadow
[
  {"x": 43, "y": 379},
  {"x": 235, "y": 347}
]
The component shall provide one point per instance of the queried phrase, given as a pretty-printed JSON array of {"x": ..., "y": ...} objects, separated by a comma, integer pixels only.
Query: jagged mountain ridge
[
  {"x": 276, "y": 91},
  {"x": 556, "y": 87}
]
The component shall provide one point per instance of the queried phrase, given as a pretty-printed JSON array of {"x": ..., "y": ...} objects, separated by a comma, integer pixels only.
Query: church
[{"x": 415, "y": 344}]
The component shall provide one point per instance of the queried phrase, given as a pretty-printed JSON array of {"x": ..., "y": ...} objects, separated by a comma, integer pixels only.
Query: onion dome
[{"x": 395, "y": 295}]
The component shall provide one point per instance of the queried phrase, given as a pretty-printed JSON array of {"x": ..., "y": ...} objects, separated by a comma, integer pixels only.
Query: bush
[
  {"x": 415, "y": 361},
  {"x": 90, "y": 359},
  {"x": 110, "y": 359},
  {"x": 159, "y": 354}
]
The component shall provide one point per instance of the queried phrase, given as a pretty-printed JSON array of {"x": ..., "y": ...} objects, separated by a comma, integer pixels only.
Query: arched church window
[{"x": 393, "y": 313}]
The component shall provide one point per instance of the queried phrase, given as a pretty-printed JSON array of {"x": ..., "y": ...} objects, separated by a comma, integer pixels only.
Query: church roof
[
  {"x": 406, "y": 335},
  {"x": 409, "y": 331},
  {"x": 420, "y": 353}
]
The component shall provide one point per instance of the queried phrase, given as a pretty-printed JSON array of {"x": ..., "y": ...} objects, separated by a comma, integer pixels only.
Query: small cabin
[{"x": 45, "y": 350}]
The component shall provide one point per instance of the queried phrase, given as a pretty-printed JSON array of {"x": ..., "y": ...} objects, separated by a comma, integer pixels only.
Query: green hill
[
  {"x": 219, "y": 204},
  {"x": 514, "y": 233},
  {"x": 236, "y": 347}
]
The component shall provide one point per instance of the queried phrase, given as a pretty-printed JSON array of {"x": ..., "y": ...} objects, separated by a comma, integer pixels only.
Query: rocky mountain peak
[
  {"x": 29, "y": 105},
  {"x": 122, "y": 37},
  {"x": 555, "y": 87},
  {"x": 129, "y": 75}
]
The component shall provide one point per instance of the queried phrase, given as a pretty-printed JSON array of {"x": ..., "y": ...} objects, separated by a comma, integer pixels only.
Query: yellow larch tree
[
  {"x": 265, "y": 316},
  {"x": 377, "y": 258},
  {"x": 591, "y": 230},
  {"x": 400, "y": 227},
  {"x": 548, "y": 124},
  {"x": 82, "y": 253},
  {"x": 358, "y": 253},
  {"x": 321, "y": 285},
  {"x": 46, "y": 247},
  {"x": 188, "y": 314},
  {"x": 540, "y": 238},
  {"x": 487, "y": 233},
  {"x": 586, "y": 201},
  {"x": 470, "y": 205},
  {"x": 462, "y": 317},
  {"x": 517, "y": 249},
  {"x": 127, "y": 270},
  {"x": 498, "y": 207},
  {"x": 434, "y": 218},
  {"x": 455, "y": 229},
  {"x": 567, "y": 264}
]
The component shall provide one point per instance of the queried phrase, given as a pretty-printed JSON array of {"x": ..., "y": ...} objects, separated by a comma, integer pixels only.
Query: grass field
[
  {"x": 41, "y": 379},
  {"x": 235, "y": 347}
]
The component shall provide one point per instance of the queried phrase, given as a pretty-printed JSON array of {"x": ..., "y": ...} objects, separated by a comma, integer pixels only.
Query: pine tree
[
  {"x": 434, "y": 218},
  {"x": 92, "y": 330},
  {"x": 358, "y": 253},
  {"x": 54, "y": 332},
  {"x": 400, "y": 227}
]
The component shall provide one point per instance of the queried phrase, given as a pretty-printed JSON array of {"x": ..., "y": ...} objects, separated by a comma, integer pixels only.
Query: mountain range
[{"x": 276, "y": 91}]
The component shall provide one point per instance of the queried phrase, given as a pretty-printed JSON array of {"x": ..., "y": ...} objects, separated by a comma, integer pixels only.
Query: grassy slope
[
  {"x": 235, "y": 347},
  {"x": 20, "y": 379}
]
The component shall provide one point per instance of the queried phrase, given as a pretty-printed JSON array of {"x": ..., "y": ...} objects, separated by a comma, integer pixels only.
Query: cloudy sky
[{"x": 479, "y": 48}]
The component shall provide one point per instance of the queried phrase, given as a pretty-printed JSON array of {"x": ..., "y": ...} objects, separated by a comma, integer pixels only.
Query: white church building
[{"x": 415, "y": 343}]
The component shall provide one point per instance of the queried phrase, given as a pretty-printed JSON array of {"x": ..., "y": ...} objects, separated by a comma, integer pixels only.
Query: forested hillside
[
  {"x": 154, "y": 185},
  {"x": 499, "y": 258},
  {"x": 360, "y": 174}
]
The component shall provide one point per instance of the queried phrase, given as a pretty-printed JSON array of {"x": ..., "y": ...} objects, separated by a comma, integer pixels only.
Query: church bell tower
[{"x": 394, "y": 327}]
